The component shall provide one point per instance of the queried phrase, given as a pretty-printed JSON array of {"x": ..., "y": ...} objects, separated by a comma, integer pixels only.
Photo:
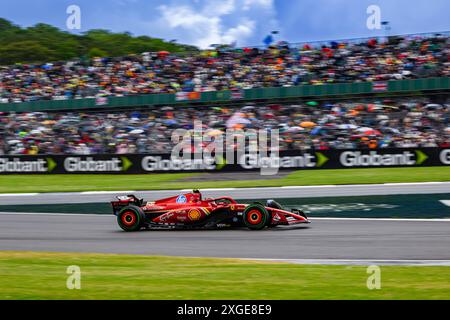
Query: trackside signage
[
  {"x": 165, "y": 164},
  {"x": 76, "y": 164},
  {"x": 374, "y": 159},
  {"x": 445, "y": 157},
  {"x": 306, "y": 160},
  {"x": 159, "y": 163},
  {"x": 26, "y": 165}
]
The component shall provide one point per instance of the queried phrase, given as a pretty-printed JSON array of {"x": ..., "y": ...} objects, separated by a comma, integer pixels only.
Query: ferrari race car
[{"x": 190, "y": 211}]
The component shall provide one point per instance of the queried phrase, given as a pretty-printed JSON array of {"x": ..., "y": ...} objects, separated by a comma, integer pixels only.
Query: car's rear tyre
[
  {"x": 256, "y": 217},
  {"x": 131, "y": 218}
]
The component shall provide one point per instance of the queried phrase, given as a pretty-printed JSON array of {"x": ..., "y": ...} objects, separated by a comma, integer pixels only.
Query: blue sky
[{"x": 204, "y": 22}]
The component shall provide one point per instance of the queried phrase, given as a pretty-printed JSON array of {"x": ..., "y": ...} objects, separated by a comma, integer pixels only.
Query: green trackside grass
[
  {"x": 26, "y": 275},
  {"x": 67, "y": 183}
]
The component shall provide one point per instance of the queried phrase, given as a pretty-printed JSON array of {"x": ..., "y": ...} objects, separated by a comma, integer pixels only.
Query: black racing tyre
[
  {"x": 256, "y": 217},
  {"x": 131, "y": 218}
]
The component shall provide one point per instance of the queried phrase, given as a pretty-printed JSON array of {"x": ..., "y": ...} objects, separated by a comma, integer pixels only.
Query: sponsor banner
[
  {"x": 101, "y": 101},
  {"x": 380, "y": 86},
  {"x": 237, "y": 94},
  {"x": 65, "y": 164},
  {"x": 185, "y": 96},
  {"x": 26, "y": 164},
  {"x": 162, "y": 163}
]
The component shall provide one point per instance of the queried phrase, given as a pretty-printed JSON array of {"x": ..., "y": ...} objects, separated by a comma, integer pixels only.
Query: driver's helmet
[
  {"x": 197, "y": 195},
  {"x": 273, "y": 204}
]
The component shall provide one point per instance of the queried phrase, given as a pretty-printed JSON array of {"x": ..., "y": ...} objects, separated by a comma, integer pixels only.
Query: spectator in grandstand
[
  {"x": 280, "y": 65},
  {"x": 402, "y": 123}
]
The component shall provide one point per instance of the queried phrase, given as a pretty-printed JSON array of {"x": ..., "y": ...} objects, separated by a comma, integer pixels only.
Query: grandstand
[
  {"x": 281, "y": 65},
  {"x": 348, "y": 124},
  {"x": 359, "y": 93}
]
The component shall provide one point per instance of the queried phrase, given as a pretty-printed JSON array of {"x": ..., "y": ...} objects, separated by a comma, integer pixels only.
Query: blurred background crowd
[
  {"x": 303, "y": 125},
  {"x": 228, "y": 68},
  {"x": 400, "y": 122}
]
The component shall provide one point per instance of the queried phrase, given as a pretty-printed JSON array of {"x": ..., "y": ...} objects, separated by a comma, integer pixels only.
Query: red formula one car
[{"x": 192, "y": 211}]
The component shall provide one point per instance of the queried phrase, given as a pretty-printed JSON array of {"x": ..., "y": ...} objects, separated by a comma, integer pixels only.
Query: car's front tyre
[
  {"x": 256, "y": 217},
  {"x": 131, "y": 218}
]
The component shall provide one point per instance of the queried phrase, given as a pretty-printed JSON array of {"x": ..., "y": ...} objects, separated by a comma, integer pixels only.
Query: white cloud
[
  {"x": 241, "y": 31},
  {"x": 125, "y": 2},
  {"x": 216, "y": 21},
  {"x": 219, "y": 7},
  {"x": 266, "y": 4},
  {"x": 200, "y": 29}
]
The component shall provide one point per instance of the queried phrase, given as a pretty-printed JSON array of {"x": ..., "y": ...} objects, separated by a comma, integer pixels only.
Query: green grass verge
[
  {"x": 26, "y": 275},
  {"x": 67, "y": 183}
]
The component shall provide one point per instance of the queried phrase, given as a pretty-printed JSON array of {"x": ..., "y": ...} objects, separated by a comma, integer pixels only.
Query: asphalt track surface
[
  {"x": 325, "y": 241},
  {"x": 352, "y": 239},
  {"x": 244, "y": 193}
]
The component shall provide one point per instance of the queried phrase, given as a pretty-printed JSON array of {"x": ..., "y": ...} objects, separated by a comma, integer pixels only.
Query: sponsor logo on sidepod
[{"x": 194, "y": 215}]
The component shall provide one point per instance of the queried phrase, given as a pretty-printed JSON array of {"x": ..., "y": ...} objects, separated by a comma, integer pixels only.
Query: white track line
[
  {"x": 232, "y": 189},
  {"x": 446, "y": 202},
  {"x": 18, "y": 194},
  {"x": 212, "y": 189},
  {"x": 304, "y": 187},
  {"x": 107, "y": 192},
  {"x": 412, "y": 183},
  {"x": 361, "y": 262}
]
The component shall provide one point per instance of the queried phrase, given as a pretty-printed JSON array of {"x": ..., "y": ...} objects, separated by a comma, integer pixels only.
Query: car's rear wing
[{"x": 123, "y": 201}]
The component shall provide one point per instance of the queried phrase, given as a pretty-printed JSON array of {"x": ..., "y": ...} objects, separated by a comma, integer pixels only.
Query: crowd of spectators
[
  {"x": 221, "y": 69},
  {"x": 406, "y": 122}
]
